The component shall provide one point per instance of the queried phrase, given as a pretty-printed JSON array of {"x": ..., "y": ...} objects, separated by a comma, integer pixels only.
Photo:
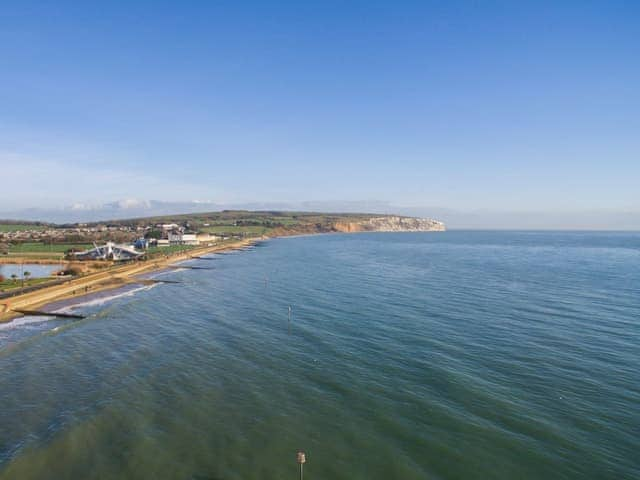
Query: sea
[{"x": 452, "y": 355}]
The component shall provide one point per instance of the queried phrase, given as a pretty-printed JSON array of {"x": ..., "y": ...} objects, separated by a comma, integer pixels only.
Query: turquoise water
[{"x": 457, "y": 355}]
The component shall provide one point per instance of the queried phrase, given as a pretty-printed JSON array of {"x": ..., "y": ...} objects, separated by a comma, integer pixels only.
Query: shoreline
[
  {"x": 110, "y": 279},
  {"x": 119, "y": 276}
]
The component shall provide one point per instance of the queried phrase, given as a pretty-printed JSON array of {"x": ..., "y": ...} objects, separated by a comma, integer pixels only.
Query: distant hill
[{"x": 233, "y": 222}]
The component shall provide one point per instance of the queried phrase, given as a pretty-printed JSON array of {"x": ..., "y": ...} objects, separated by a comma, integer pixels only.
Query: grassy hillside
[{"x": 250, "y": 223}]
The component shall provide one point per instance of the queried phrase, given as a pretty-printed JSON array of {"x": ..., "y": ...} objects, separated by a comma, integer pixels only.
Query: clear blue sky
[{"x": 464, "y": 105}]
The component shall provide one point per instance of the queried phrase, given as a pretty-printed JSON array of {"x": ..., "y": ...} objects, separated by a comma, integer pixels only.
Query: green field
[
  {"x": 152, "y": 251},
  {"x": 39, "y": 247},
  {"x": 234, "y": 230},
  {"x": 249, "y": 223},
  {"x": 9, "y": 284},
  {"x": 16, "y": 227}
]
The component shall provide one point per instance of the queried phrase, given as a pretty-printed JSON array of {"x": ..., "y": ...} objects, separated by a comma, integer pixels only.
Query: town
[{"x": 80, "y": 241}]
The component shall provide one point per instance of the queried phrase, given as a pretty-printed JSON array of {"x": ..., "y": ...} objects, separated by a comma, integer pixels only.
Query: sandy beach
[{"x": 111, "y": 278}]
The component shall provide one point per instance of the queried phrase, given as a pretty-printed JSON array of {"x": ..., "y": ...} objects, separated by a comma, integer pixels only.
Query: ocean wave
[
  {"x": 23, "y": 321},
  {"x": 101, "y": 300},
  {"x": 77, "y": 303}
]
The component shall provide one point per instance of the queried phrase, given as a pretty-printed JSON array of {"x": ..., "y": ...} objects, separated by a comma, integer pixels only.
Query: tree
[
  {"x": 2, "y": 279},
  {"x": 157, "y": 234},
  {"x": 14, "y": 277},
  {"x": 27, "y": 274}
]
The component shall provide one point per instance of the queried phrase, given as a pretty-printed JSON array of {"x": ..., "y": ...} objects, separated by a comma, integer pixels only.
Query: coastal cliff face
[{"x": 391, "y": 224}]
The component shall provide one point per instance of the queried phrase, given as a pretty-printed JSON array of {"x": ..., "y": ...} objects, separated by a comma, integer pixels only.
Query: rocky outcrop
[{"x": 391, "y": 224}]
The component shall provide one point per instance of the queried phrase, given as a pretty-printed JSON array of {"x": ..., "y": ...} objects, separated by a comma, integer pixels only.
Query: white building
[
  {"x": 207, "y": 238},
  {"x": 168, "y": 226},
  {"x": 109, "y": 251},
  {"x": 178, "y": 238}
]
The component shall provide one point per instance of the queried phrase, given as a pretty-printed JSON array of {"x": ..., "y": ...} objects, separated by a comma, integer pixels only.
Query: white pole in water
[{"x": 301, "y": 461}]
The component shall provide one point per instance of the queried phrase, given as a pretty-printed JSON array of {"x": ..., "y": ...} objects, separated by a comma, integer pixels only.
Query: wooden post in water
[{"x": 301, "y": 461}]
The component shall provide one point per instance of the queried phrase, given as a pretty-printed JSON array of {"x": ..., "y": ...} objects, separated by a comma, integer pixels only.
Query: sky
[{"x": 489, "y": 108}]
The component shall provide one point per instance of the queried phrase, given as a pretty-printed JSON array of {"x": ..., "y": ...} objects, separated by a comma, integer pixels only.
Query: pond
[{"x": 36, "y": 270}]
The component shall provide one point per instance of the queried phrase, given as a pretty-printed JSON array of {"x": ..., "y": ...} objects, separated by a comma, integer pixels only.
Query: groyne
[{"x": 110, "y": 278}]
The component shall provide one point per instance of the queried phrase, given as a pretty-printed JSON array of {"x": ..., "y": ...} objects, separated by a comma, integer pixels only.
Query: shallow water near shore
[{"x": 456, "y": 355}]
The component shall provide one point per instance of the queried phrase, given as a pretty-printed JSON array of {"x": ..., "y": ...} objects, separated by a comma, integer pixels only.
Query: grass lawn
[
  {"x": 39, "y": 247},
  {"x": 16, "y": 227},
  {"x": 9, "y": 284},
  {"x": 232, "y": 229},
  {"x": 170, "y": 249}
]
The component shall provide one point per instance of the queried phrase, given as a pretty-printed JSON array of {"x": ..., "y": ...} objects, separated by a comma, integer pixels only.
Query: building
[
  {"x": 109, "y": 251},
  {"x": 179, "y": 238},
  {"x": 168, "y": 226},
  {"x": 141, "y": 244},
  {"x": 207, "y": 238}
]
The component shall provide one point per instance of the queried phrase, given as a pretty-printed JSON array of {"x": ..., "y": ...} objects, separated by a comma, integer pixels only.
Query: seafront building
[
  {"x": 207, "y": 238},
  {"x": 181, "y": 238},
  {"x": 109, "y": 251}
]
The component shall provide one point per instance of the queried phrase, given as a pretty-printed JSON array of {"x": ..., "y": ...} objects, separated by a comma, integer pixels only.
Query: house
[
  {"x": 207, "y": 238},
  {"x": 168, "y": 226},
  {"x": 179, "y": 238}
]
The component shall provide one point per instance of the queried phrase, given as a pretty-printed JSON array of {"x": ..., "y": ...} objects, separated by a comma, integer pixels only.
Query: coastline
[
  {"x": 110, "y": 279},
  {"x": 120, "y": 276}
]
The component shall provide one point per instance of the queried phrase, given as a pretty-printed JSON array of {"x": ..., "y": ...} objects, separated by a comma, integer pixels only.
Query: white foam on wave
[
  {"x": 101, "y": 300},
  {"x": 22, "y": 321},
  {"x": 156, "y": 274},
  {"x": 27, "y": 319}
]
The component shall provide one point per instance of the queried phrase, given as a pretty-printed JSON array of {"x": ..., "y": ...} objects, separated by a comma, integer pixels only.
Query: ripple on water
[{"x": 455, "y": 355}]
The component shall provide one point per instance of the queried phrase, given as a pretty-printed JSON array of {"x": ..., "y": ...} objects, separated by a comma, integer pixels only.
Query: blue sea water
[{"x": 456, "y": 355}]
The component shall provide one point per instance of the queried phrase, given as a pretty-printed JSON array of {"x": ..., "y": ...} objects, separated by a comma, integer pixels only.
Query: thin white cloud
[{"x": 33, "y": 182}]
